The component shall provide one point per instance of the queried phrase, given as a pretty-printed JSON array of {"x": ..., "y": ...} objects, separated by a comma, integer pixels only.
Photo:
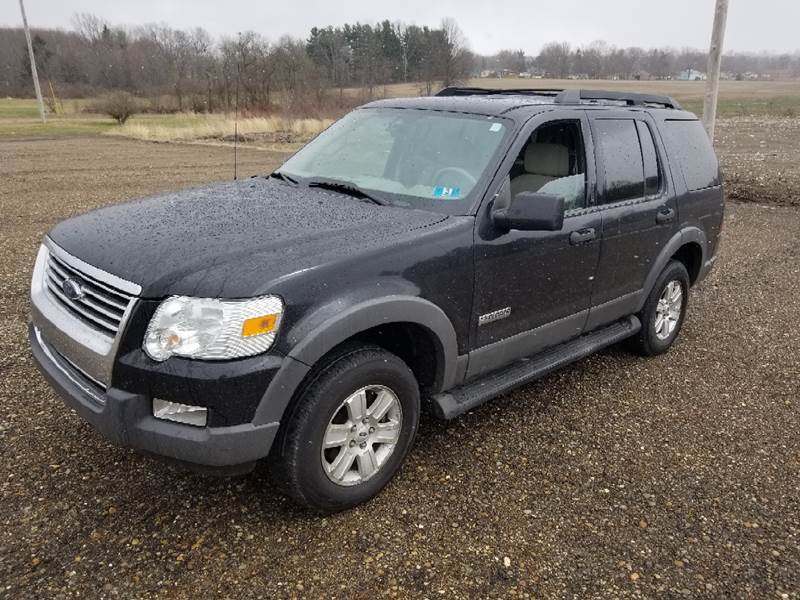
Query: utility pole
[
  {"x": 33, "y": 64},
  {"x": 714, "y": 62}
]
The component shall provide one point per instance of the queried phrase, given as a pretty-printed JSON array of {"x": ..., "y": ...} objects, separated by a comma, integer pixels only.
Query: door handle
[
  {"x": 581, "y": 236},
  {"x": 665, "y": 215}
]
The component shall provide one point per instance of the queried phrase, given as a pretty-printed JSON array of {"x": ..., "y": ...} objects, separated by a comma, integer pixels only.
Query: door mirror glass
[{"x": 530, "y": 211}]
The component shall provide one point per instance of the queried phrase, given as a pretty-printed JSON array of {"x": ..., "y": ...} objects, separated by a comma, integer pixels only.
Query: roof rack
[
  {"x": 628, "y": 98},
  {"x": 477, "y": 91},
  {"x": 561, "y": 96}
]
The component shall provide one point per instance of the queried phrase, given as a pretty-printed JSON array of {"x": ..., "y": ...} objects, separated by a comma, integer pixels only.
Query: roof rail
[
  {"x": 561, "y": 96},
  {"x": 628, "y": 98},
  {"x": 477, "y": 91}
]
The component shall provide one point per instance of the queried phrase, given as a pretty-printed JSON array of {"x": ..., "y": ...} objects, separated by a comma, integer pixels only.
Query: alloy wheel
[
  {"x": 361, "y": 435},
  {"x": 668, "y": 310}
]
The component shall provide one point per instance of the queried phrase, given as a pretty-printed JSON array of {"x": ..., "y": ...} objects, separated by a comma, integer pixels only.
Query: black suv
[{"x": 442, "y": 249}]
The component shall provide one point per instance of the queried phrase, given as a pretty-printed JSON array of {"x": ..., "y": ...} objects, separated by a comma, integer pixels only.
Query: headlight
[{"x": 212, "y": 329}]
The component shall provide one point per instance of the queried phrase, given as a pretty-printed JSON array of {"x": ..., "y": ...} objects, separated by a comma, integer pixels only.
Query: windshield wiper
[
  {"x": 284, "y": 177},
  {"x": 345, "y": 187}
]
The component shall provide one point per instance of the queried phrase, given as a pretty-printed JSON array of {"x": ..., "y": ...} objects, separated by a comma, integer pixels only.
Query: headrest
[{"x": 547, "y": 159}]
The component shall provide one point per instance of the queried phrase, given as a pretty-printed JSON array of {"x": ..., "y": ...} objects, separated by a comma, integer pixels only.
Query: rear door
[{"x": 637, "y": 203}]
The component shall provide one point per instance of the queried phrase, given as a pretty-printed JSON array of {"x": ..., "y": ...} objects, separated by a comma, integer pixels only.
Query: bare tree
[
  {"x": 660, "y": 63},
  {"x": 90, "y": 27},
  {"x": 513, "y": 61},
  {"x": 554, "y": 59},
  {"x": 455, "y": 58}
]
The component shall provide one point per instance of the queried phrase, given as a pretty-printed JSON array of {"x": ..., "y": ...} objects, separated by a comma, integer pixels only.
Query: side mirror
[{"x": 531, "y": 211}]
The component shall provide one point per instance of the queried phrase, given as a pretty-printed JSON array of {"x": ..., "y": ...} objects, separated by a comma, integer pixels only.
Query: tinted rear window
[
  {"x": 622, "y": 159},
  {"x": 690, "y": 147}
]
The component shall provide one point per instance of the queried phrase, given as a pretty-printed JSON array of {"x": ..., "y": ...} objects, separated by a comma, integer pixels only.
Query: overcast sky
[{"x": 489, "y": 25}]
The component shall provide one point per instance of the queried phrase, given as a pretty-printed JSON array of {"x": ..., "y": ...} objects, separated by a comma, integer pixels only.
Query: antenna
[{"x": 236, "y": 123}]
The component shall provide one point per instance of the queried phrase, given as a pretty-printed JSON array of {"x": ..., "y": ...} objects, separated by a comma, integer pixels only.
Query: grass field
[
  {"x": 273, "y": 132},
  {"x": 19, "y": 118}
]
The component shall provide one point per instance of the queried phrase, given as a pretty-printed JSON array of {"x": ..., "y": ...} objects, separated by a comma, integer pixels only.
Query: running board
[{"x": 456, "y": 402}]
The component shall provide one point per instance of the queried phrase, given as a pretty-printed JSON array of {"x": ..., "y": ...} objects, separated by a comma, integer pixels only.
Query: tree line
[
  {"x": 600, "y": 60},
  {"x": 179, "y": 69},
  {"x": 189, "y": 70}
]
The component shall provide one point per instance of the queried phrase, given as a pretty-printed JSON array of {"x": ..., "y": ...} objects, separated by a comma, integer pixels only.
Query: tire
[
  {"x": 355, "y": 384},
  {"x": 657, "y": 333}
]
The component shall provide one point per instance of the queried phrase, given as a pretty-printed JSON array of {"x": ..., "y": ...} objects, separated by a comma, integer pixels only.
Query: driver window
[{"x": 553, "y": 161}]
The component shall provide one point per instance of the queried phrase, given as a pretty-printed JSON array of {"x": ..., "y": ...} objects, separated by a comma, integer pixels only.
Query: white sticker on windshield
[{"x": 495, "y": 127}]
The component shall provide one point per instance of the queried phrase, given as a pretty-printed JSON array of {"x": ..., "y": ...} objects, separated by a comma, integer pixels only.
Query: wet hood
[{"x": 231, "y": 239}]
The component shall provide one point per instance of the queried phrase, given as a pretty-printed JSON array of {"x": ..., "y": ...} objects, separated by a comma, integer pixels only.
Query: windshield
[{"x": 424, "y": 159}]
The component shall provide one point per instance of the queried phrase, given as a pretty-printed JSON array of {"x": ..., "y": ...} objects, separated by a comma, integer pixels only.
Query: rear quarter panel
[{"x": 696, "y": 174}]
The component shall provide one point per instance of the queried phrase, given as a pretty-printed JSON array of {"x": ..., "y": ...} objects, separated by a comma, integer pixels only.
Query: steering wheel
[{"x": 459, "y": 173}]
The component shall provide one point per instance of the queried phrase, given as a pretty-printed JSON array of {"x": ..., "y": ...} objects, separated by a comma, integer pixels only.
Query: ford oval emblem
[{"x": 72, "y": 288}]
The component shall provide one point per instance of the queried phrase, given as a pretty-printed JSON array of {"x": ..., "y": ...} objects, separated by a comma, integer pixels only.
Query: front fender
[
  {"x": 320, "y": 338},
  {"x": 322, "y": 330}
]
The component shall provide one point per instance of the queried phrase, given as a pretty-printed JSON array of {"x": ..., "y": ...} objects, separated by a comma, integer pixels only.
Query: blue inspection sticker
[{"x": 441, "y": 191}]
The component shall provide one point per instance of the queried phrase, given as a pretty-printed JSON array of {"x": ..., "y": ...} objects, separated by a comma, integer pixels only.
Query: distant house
[
  {"x": 498, "y": 73},
  {"x": 691, "y": 75},
  {"x": 750, "y": 76}
]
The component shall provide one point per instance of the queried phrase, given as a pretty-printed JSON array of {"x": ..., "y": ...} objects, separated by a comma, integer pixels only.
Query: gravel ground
[
  {"x": 759, "y": 159},
  {"x": 670, "y": 477}
]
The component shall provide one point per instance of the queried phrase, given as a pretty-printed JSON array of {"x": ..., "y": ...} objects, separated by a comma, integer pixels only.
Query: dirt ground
[
  {"x": 759, "y": 157},
  {"x": 673, "y": 477}
]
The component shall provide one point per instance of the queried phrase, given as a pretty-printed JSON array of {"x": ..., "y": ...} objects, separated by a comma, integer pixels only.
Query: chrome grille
[
  {"x": 101, "y": 306},
  {"x": 93, "y": 388}
]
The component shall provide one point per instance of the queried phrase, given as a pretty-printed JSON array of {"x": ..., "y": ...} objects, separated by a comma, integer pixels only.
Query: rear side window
[
  {"x": 689, "y": 145},
  {"x": 652, "y": 181},
  {"x": 618, "y": 144}
]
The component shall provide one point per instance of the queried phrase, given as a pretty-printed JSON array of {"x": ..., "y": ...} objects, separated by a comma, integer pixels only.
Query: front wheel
[
  {"x": 664, "y": 311},
  {"x": 350, "y": 431}
]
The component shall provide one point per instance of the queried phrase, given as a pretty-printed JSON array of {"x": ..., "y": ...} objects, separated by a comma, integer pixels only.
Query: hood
[{"x": 231, "y": 239}]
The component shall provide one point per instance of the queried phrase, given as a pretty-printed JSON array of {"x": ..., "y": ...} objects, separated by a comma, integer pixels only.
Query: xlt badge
[{"x": 494, "y": 316}]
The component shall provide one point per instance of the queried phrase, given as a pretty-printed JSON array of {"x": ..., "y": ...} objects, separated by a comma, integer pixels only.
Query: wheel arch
[
  {"x": 683, "y": 246},
  {"x": 381, "y": 321},
  {"x": 691, "y": 255},
  {"x": 391, "y": 322}
]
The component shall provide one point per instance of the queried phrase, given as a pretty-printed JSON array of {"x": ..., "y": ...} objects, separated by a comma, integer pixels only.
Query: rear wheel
[
  {"x": 350, "y": 431},
  {"x": 664, "y": 311}
]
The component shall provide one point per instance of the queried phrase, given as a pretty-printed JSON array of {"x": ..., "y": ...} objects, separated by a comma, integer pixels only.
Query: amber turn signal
[{"x": 259, "y": 325}]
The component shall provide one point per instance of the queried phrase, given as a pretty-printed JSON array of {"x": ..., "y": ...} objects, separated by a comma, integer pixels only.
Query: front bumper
[{"x": 127, "y": 420}]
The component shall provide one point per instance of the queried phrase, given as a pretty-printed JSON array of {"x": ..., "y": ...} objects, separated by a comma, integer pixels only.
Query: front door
[{"x": 533, "y": 288}]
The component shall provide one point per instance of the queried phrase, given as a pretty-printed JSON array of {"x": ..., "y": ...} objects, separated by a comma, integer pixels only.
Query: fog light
[{"x": 180, "y": 413}]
